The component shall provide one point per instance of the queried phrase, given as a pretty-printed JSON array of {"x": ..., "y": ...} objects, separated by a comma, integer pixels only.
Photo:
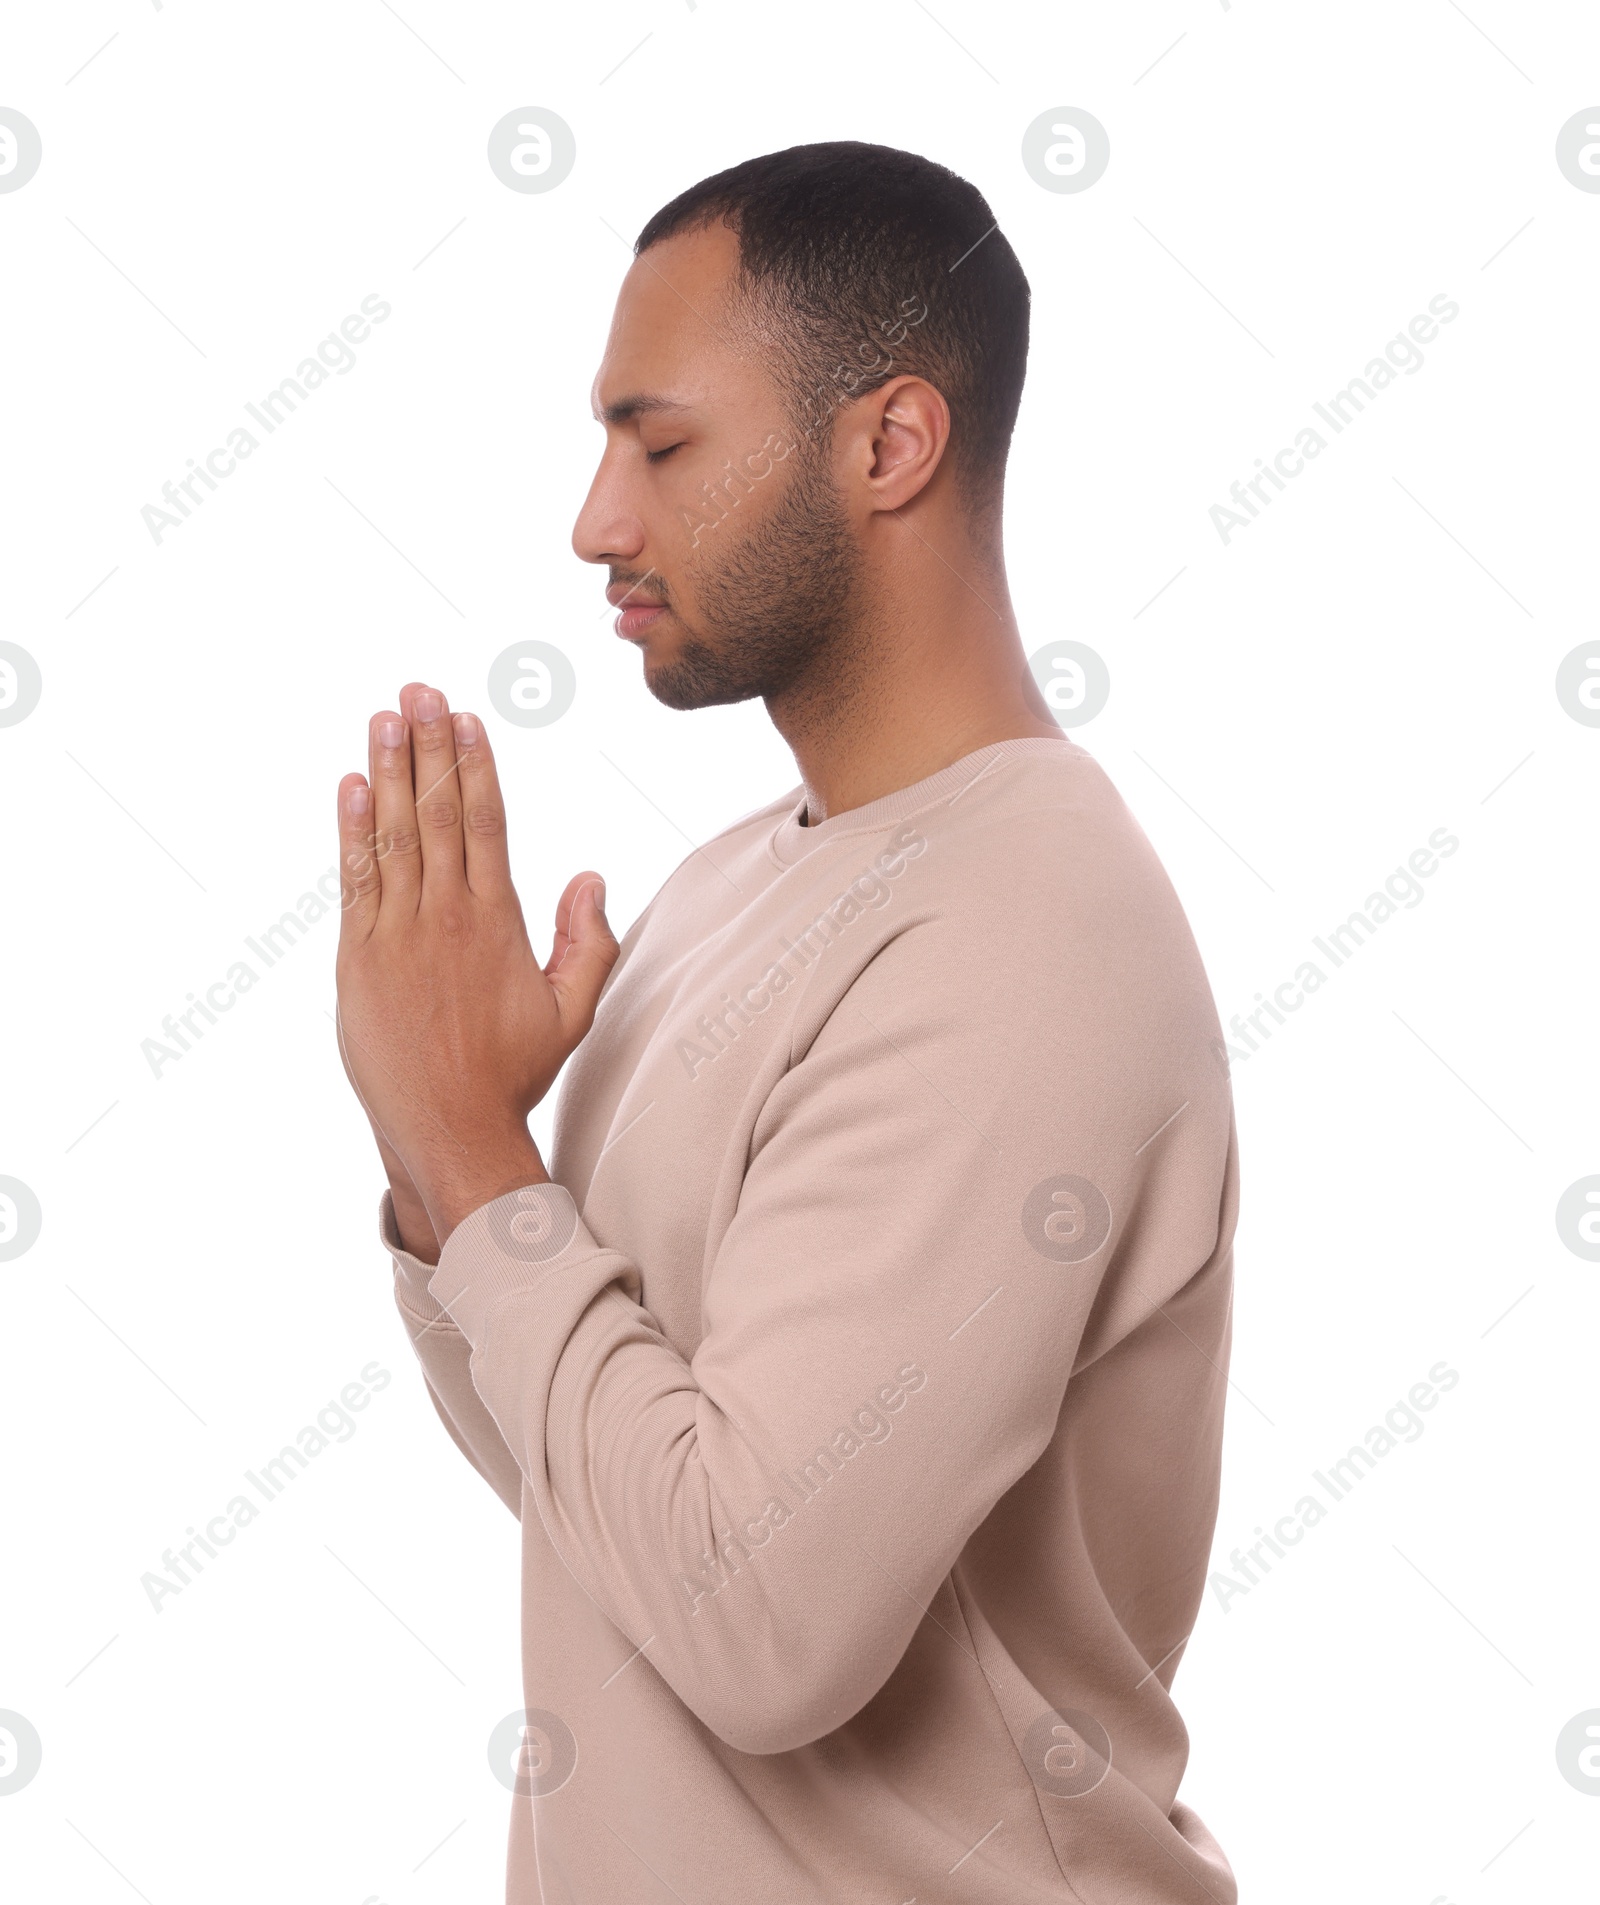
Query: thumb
[{"x": 584, "y": 952}]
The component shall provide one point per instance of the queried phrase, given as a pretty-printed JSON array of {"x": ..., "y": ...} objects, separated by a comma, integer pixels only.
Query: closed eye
[{"x": 656, "y": 456}]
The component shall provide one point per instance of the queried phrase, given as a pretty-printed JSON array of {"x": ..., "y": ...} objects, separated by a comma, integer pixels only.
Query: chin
[
  {"x": 670, "y": 688},
  {"x": 675, "y": 685}
]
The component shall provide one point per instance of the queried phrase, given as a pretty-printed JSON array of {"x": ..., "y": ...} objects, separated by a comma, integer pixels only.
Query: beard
[{"x": 778, "y": 608}]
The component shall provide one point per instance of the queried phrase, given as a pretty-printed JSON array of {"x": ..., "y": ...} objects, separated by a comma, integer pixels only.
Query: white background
[{"x": 1290, "y": 717}]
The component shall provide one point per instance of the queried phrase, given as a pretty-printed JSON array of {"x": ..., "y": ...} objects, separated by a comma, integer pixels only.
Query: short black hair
[{"x": 843, "y": 244}]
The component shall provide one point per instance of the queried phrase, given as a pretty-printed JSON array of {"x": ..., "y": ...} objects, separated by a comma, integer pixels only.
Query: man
[{"x": 855, "y": 1362}]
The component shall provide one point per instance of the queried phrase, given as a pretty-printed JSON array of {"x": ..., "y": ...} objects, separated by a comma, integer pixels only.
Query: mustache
[{"x": 637, "y": 594}]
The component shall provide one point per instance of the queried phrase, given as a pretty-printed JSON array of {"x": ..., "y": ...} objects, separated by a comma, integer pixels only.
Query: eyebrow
[{"x": 641, "y": 404}]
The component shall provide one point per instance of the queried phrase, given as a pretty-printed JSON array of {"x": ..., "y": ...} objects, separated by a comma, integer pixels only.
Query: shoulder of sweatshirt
[
  {"x": 1033, "y": 838},
  {"x": 1007, "y": 796},
  {"x": 1036, "y": 900},
  {"x": 1001, "y": 800},
  {"x": 1026, "y": 1008},
  {"x": 992, "y": 789},
  {"x": 1038, "y": 854}
]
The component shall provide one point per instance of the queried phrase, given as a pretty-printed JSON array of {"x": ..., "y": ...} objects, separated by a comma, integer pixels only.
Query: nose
[{"x": 607, "y": 530}]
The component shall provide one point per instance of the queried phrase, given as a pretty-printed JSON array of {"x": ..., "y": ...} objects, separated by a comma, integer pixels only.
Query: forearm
[
  {"x": 445, "y": 1357},
  {"x": 698, "y": 1505}
]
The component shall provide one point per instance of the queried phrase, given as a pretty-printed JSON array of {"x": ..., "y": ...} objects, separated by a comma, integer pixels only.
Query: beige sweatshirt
[{"x": 859, "y": 1383}]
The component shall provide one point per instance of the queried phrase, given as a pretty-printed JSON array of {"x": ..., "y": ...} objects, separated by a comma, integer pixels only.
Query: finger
[
  {"x": 394, "y": 812},
  {"x": 359, "y": 879},
  {"x": 584, "y": 952},
  {"x": 438, "y": 790},
  {"x": 483, "y": 808}
]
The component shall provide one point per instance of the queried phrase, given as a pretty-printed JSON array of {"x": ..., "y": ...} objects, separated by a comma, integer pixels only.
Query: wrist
[
  {"x": 412, "y": 1223},
  {"x": 461, "y": 1185}
]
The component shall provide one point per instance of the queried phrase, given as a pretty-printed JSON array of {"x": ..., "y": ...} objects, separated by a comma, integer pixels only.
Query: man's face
[{"x": 731, "y": 557}]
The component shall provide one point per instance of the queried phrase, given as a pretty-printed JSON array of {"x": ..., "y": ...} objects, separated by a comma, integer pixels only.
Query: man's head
[{"x": 807, "y": 347}]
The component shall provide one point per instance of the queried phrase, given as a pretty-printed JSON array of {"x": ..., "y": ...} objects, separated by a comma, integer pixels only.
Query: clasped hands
[{"x": 450, "y": 1029}]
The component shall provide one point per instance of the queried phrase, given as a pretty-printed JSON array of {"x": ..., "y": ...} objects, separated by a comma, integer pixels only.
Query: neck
[{"x": 933, "y": 668}]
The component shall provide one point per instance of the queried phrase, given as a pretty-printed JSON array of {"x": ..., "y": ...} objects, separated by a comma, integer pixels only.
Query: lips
[
  {"x": 638, "y": 616},
  {"x": 637, "y": 610}
]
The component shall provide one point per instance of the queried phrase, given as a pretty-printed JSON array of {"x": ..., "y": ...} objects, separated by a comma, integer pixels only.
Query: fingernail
[
  {"x": 391, "y": 733},
  {"x": 467, "y": 729},
  {"x": 427, "y": 705},
  {"x": 600, "y": 897},
  {"x": 360, "y": 800}
]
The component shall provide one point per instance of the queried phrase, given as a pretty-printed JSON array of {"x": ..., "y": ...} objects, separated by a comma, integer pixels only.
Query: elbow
[
  {"x": 784, "y": 1662},
  {"x": 764, "y": 1725},
  {"x": 772, "y": 1704}
]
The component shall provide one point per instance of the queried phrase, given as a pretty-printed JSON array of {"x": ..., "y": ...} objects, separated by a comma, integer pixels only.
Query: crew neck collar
[{"x": 791, "y": 841}]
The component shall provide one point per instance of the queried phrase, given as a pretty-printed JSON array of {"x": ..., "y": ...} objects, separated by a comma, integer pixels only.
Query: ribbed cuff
[
  {"x": 513, "y": 1243},
  {"x": 411, "y": 1274}
]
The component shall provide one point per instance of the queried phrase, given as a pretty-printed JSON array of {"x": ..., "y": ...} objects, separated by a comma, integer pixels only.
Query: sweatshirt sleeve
[
  {"x": 445, "y": 1354},
  {"x": 940, "y": 1189}
]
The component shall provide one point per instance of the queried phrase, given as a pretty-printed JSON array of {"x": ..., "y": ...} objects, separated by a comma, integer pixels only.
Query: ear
[{"x": 906, "y": 431}]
